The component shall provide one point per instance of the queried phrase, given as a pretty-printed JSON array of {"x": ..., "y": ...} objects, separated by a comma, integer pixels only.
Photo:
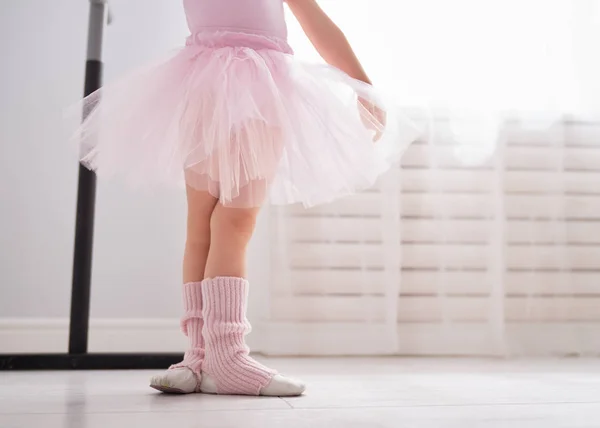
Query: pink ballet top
[{"x": 248, "y": 23}]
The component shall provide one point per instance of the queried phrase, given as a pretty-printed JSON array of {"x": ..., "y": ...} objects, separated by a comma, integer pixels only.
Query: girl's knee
[{"x": 235, "y": 220}]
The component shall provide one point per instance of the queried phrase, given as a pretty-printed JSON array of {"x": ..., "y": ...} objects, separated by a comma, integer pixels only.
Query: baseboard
[
  {"x": 422, "y": 339},
  {"x": 31, "y": 335},
  {"x": 26, "y": 335}
]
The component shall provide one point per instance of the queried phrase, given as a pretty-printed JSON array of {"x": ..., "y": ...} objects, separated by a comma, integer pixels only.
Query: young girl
[{"x": 236, "y": 118}]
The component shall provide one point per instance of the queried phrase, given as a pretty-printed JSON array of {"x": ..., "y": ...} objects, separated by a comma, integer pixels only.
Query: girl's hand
[{"x": 373, "y": 118}]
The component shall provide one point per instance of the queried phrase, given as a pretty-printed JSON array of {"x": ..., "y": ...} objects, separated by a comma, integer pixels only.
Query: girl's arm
[{"x": 327, "y": 38}]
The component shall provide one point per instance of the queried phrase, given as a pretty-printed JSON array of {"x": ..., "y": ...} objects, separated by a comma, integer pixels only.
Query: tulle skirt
[{"x": 238, "y": 116}]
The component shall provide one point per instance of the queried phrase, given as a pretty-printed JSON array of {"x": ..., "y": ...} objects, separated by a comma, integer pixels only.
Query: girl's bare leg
[
  {"x": 200, "y": 208},
  {"x": 231, "y": 230}
]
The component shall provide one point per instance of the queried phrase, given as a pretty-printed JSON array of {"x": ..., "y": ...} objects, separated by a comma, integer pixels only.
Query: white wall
[{"x": 139, "y": 236}]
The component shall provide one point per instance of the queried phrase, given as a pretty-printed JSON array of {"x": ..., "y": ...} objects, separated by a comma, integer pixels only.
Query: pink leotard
[{"x": 239, "y": 20}]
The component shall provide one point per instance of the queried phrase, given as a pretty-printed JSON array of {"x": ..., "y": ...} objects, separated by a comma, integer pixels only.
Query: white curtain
[{"x": 486, "y": 240}]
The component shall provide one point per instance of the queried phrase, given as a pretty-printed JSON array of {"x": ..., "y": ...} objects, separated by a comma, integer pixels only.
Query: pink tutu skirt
[{"x": 238, "y": 116}]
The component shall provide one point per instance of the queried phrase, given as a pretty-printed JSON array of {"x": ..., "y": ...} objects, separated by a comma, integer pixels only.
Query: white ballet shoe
[
  {"x": 181, "y": 380},
  {"x": 279, "y": 386},
  {"x": 282, "y": 386}
]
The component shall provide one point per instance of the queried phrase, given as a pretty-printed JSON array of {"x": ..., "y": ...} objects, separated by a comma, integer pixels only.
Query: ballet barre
[{"x": 78, "y": 356}]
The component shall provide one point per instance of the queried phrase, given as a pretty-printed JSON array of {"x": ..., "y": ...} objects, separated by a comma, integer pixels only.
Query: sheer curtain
[{"x": 486, "y": 239}]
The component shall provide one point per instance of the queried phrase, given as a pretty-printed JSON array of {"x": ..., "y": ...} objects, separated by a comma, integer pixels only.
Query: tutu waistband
[{"x": 230, "y": 38}]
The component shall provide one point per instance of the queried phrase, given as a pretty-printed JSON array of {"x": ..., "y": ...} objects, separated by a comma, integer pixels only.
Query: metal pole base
[{"x": 88, "y": 361}]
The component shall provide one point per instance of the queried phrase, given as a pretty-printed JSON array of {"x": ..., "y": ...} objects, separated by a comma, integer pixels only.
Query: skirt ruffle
[{"x": 249, "y": 125}]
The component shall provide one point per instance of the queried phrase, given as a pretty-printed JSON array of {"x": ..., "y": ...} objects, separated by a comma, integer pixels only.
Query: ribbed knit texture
[
  {"x": 225, "y": 325},
  {"x": 191, "y": 325}
]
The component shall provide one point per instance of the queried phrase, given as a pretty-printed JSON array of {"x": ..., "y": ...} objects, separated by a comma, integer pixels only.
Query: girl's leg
[
  {"x": 200, "y": 208},
  {"x": 185, "y": 376},
  {"x": 227, "y": 368},
  {"x": 231, "y": 230}
]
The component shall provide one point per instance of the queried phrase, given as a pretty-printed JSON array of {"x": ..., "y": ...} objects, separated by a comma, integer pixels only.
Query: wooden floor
[{"x": 342, "y": 392}]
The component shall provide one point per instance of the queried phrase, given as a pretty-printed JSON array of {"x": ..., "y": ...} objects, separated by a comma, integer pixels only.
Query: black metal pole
[{"x": 86, "y": 196}]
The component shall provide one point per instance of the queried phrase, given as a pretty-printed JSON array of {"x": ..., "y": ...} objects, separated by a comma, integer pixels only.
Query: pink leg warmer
[
  {"x": 191, "y": 325},
  {"x": 227, "y": 360}
]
